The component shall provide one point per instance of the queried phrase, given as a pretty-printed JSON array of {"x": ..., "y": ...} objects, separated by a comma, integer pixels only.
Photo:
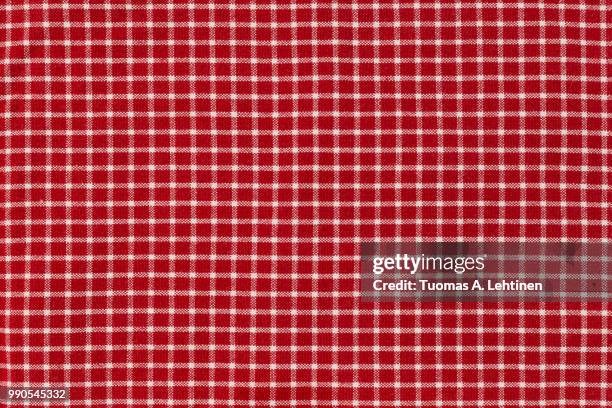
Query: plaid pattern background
[{"x": 185, "y": 188}]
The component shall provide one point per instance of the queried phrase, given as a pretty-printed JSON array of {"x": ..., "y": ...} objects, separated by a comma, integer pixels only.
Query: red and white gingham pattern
[{"x": 185, "y": 188}]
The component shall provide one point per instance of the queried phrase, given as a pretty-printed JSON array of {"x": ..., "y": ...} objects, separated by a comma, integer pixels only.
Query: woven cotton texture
[{"x": 185, "y": 188}]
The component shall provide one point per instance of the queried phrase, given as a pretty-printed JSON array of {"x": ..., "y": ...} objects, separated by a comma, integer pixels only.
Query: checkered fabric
[{"x": 185, "y": 186}]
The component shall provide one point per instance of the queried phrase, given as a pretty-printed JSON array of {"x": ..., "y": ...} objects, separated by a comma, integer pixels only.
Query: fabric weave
[{"x": 186, "y": 186}]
